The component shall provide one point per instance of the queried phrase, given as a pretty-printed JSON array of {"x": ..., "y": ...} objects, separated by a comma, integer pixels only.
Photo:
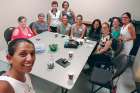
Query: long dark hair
[
  {"x": 99, "y": 28},
  {"x": 128, "y": 14},
  {"x": 20, "y": 18},
  {"x": 64, "y": 3}
]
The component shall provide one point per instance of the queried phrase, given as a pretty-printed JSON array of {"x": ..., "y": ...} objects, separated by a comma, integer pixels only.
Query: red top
[{"x": 18, "y": 33}]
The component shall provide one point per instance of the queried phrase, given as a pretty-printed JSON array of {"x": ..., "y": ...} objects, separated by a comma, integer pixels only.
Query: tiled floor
[
  {"x": 125, "y": 85},
  {"x": 126, "y": 82}
]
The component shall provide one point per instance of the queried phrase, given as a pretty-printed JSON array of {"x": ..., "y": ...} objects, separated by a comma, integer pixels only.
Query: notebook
[{"x": 63, "y": 62}]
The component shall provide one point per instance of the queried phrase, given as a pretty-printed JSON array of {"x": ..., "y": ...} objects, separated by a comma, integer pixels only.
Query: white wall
[
  {"x": 90, "y": 9},
  {"x": 11, "y": 9},
  {"x": 104, "y": 9}
]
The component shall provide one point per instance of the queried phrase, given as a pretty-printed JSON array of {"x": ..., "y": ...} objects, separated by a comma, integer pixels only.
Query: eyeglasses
[
  {"x": 79, "y": 19},
  {"x": 124, "y": 17},
  {"x": 41, "y": 16},
  {"x": 104, "y": 27}
]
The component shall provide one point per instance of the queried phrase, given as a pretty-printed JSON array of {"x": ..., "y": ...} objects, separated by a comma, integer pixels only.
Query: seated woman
[
  {"x": 22, "y": 31},
  {"x": 78, "y": 29},
  {"x": 21, "y": 56},
  {"x": 53, "y": 17},
  {"x": 68, "y": 12},
  {"x": 40, "y": 25},
  {"x": 115, "y": 29},
  {"x": 95, "y": 30},
  {"x": 103, "y": 53},
  {"x": 64, "y": 27}
]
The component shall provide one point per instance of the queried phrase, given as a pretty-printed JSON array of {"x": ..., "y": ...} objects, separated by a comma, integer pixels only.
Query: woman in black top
[
  {"x": 95, "y": 30},
  {"x": 103, "y": 53}
]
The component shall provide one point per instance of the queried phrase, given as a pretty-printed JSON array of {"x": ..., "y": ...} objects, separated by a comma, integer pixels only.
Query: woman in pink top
[{"x": 22, "y": 31}]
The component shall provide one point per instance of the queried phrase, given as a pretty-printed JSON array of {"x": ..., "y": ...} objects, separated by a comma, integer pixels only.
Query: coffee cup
[
  {"x": 85, "y": 39},
  {"x": 50, "y": 65},
  {"x": 70, "y": 76},
  {"x": 56, "y": 35},
  {"x": 81, "y": 42},
  {"x": 70, "y": 54}
]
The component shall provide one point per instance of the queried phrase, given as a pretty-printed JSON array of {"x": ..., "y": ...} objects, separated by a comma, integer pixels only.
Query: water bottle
[{"x": 50, "y": 62}]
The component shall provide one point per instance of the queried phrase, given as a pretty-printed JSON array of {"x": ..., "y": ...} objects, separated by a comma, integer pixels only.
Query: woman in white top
[
  {"x": 21, "y": 56},
  {"x": 128, "y": 34},
  {"x": 66, "y": 11},
  {"x": 53, "y": 17}
]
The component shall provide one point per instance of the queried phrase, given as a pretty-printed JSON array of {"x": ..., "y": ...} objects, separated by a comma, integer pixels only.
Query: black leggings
[{"x": 98, "y": 60}]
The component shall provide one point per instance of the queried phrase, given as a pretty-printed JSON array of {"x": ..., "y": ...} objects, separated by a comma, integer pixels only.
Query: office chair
[
  {"x": 111, "y": 21},
  {"x": 104, "y": 78},
  {"x": 136, "y": 41},
  {"x": 2, "y": 72},
  {"x": 117, "y": 47},
  {"x": 31, "y": 25},
  {"x": 137, "y": 90},
  {"x": 8, "y": 33}
]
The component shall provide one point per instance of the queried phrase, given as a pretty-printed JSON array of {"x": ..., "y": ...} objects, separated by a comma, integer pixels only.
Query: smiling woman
[
  {"x": 21, "y": 56},
  {"x": 22, "y": 31}
]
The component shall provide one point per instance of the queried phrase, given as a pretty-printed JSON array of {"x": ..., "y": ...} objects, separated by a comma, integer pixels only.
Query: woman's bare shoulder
[{"x": 5, "y": 87}]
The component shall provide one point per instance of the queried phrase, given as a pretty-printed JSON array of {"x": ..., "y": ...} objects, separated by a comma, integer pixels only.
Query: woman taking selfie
[{"x": 21, "y": 57}]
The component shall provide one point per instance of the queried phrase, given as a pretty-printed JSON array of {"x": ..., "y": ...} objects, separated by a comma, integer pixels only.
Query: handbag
[{"x": 71, "y": 44}]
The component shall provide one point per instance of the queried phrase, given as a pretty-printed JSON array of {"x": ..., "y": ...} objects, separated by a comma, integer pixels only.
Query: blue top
[
  {"x": 64, "y": 30},
  {"x": 115, "y": 33},
  {"x": 40, "y": 27}
]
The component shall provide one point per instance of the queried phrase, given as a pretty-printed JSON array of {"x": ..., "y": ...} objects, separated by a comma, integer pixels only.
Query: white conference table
[{"x": 58, "y": 75}]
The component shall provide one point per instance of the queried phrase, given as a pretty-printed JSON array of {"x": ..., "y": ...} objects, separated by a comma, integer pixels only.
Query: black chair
[
  {"x": 104, "y": 78},
  {"x": 137, "y": 90},
  {"x": 8, "y": 33},
  {"x": 117, "y": 47},
  {"x": 2, "y": 72},
  {"x": 136, "y": 41},
  {"x": 111, "y": 21},
  {"x": 31, "y": 25}
]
